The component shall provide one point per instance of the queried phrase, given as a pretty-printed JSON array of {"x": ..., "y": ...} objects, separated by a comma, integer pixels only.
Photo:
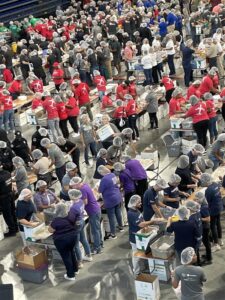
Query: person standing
[
  {"x": 187, "y": 53},
  {"x": 61, "y": 108},
  {"x": 170, "y": 49},
  {"x": 57, "y": 75},
  {"x": 8, "y": 114},
  {"x": 152, "y": 109},
  {"x": 72, "y": 110},
  {"x": 131, "y": 110}
]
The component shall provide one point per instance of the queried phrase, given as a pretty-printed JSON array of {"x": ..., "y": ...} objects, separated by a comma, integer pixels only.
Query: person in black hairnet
[
  {"x": 6, "y": 156},
  {"x": 7, "y": 205},
  {"x": 21, "y": 148}
]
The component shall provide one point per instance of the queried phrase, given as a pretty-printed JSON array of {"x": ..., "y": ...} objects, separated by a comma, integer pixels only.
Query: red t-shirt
[
  {"x": 216, "y": 81},
  {"x": 100, "y": 82},
  {"x": 206, "y": 85},
  {"x": 198, "y": 112},
  {"x": 7, "y": 101},
  {"x": 15, "y": 87},
  {"x": 1, "y": 107},
  {"x": 168, "y": 83},
  {"x": 8, "y": 76},
  {"x": 61, "y": 111},
  {"x": 106, "y": 102},
  {"x": 57, "y": 76},
  {"x": 36, "y": 86},
  {"x": 82, "y": 93},
  {"x": 131, "y": 108},
  {"x": 50, "y": 107},
  {"x": 182, "y": 100},
  {"x": 121, "y": 92},
  {"x": 36, "y": 103},
  {"x": 72, "y": 112},
  {"x": 192, "y": 90},
  {"x": 119, "y": 112},
  {"x": 210, "y": 108},
  {"x": 174, "y": 106},
  {"x": 132, "y": 89}
]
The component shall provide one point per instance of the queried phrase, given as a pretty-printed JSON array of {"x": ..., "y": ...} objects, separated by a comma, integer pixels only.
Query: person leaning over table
[
  {"x": 214, "y": 199},
  {"x": 135, "y": 223},
  {"x": 71, "y": 171},
  {"x": 64, "y": 237},
  {"x": 191, "y": 277},
  {"x": 114, "y": 152},
  {"x": 188, "y": 183},
  {"x": 197, "y": 151},
  {"x": 44, "y": 197},
  {"x": 41, "y": 166},
  {"x": 101, "y": 160},
  {"x": 200, "y": 119},
  {"x": 207, "y": 84},
  {"x": 184, "y": 225},
  {"x": 56, "y": 156},
  {"x": 175, "y": 105},
  {"x": 194, "y": 89},
  {"x": 24, "y": 210},
  {"x": 15, "y": 87},
  {"x": 216, "y": 154}
]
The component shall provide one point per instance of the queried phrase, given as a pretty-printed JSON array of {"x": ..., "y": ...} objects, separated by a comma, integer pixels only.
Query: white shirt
[
  {"x": 145, "y": 47},
  {"x": 156, "y": 43},
  {"x": 169, "y": 45},
  {"x": 146, "y": 61}
]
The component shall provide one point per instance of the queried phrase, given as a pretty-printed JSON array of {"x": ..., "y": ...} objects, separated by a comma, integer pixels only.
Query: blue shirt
[
  {"x": 197, "y": 219},
  {"x": 150, "y": 198},
  {"x": 214, "y": 199},
  {"x": 76, "y": 212},
  {"x": 134, "y": 217},
  {"x": 24, "y": 210},
  {"x": 204, "y": 211},
  {"x": 110, "y": 191},
  {"x": 162, "y": 28},
  {"x": 171, "y": 19},
  {"x": 186, "y": 234},
  {"x": 192, "y": 161},
  {"x": 187, "y": 54},
  {"x": 172, "y": 192}
]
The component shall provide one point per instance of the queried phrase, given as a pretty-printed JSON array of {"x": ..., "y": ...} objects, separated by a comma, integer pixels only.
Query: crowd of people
[{"x": 86, "y": 47}]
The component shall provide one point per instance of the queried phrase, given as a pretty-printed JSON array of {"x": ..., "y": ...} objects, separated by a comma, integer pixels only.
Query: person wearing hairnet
[
  {"x": 181, "y": 241},
  {"x": 44, "y": 197},
  {"x": 64, "y": 237},
  {"x": 216, "y": 153},
  {"x": 139, "y": 174},
  {"x": 101, "y": 160},
  {"x": 109, "y": 141},
  {"x": 214, "y": 199},
  {"x": 127, "y": 183},
  {"x": 200, "y": 119},
  {"x": 20, "y": 174},
  {"x": 71, "y": 171},
  {"x": 151, "y": 203},
  {"x": 188, "y": 183},
  {"x": 20, "y": 147},
  {"x": 205, "y": 218},
  {"x": 71, "y": 149},
  {"x": 24, "y": 211},
  {"x": 56, "y": 156},
  {"x": 36, "y": 138},
  {"x": 112, "y": 199},
  {"x": 120, "y": 115},
  {"x": 193, "y": 155},
  {"x": 75, "y": 215},
  {"x": 7, "y": 201},
  {"x": 41, "y": 166},
  {"x": 209, "y": 101},
  {"x": 6, "y": 156},
  {"x": 114, "y": 152},
  {"x": 60, "y": 105},
  {"x": 191, "y": 277},
  {"x": 93, "y": 210},
  {"x": 131, "y": 109},
  {"x": 135, "y": 223}
]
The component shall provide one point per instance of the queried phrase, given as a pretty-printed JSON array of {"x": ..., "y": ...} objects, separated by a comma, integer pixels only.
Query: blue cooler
[{"x": 36, "y": 276}]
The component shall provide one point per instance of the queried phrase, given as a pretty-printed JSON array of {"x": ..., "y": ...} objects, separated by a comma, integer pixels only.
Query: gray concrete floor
[{"x": 109, "y": 276}]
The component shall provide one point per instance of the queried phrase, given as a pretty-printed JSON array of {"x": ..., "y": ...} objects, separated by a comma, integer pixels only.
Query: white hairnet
[
  {"x": 174, "y": 179},
  {"x": 183, "y": 162},
  {"x": 40, "y": 183},
  {"x": 207, "y": 96},
  {"x": 102, "y": 170},
  {"x": 3, "y": 145},
  {"x": 74, "y": 194},
  {"x": 205, "y": 179},
  {"x": 183, "y": 213},
  {"x": 194, "y": 100},
  {"x": 200, "y": 197},
  {"x": 43, "y": 131},
  {"x": 70, "y": 166},
  {"x": 45, "y": 142},
  {"x": 221, "y": 137},
  {"x": 127, "y": 131},
  {"x": 192, "y": 205},
  {"x": 61, "y": 141},
  {"x": 61, "y": 210},
  {"x": 161, "y": 183},
  {"x": 128, "y": 97},
  {"x": 24, "y": 193},
  {"x": 75, "y": 180},
  {"x": 118, "y": 167},
  {"x": 18, "y": 161},
  {"x": 187, "y": 255},
  {"x": 102, "y": 152},
  {"x": 117, "y": 141},
  {"x": 125, "y": 158},
  {"x": 37, "y": 154},
  {"x": 199, "y": 149},
  {"x": 134, "y": 200}
]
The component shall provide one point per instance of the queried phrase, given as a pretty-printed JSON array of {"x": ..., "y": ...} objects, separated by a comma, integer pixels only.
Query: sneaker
[
  {"x": 206, "y": 262},
  {"x": 215, "y": 248},
  {"x": 69, "y": 278},
  {"x": 10, "y": 233},
  {"x": 134, "y": 141},
  {"x": 87, "y": 258},
  {"x": 94, "y": 252},
  {"x": 76, "y": 273},
  {"x": 112, "y": 237},
  {"x": 220, "y": 242},
  {"x": 121, "y": 229},
  {"x": 80, "y": 265},
  {"x": 137, "y": 138}
]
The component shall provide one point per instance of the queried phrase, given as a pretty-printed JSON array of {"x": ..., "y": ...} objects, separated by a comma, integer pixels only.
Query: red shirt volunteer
[
  {"x": 100, "y": 83},
  {"x": 72, "y": 107},
  {"x": 36, "y": 103},
  {"x": 121, "y": 91},
  {"x": 198, "y": 112},
  {"x": 132, "y": 89},
  {"x": 168, "y": 83},
  {"x": 193, "y": 90},
  {"x": 210, "y": 108},
  {"x": 174, "y": 106},
  {"x": 7, "y": 102},
  {"x": 36, "y": 86},
  {"x": 82, "y": 93},
  {"x": 106, "y": 102},
  {"x": 7, "y": 75},
  {"x": 15, "y": 87},
  {"x": 57, "y": 75},
  {"x": 131, "y": 108},
  {"x": 51, "y": 108},
  {"x": 119, "y": 112},
  {"x": 206, "y": 85},
  {"x": 62, "y": 111}
]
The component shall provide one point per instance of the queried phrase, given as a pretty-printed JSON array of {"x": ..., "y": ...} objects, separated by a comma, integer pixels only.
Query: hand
[
  {"x": 160, "y": 220},
  {"x": 34, "y": 224},
  {"x": 177, "y": 199}
]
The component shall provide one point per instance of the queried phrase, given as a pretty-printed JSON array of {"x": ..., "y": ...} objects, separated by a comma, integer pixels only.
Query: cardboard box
[
  {"x": 160, "y": 268},
  {"x": 20, "y": 119},
  {"x": 31, "y": 257},
  {"x": 143, "y": 237},
  {"x": 147, "y": 287}
]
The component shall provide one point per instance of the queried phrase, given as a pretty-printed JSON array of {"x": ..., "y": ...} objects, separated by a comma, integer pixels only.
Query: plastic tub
[{"x": 163, "y": 253}]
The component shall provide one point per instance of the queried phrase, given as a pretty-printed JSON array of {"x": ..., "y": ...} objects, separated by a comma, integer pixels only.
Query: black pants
[
  {"x": 153, "y": 119},
  {"x": 73, "y": 123},
  {"x": 201, "y": 129},
  {"x": 8, "y": 210},
  {"x": 169, "y": 95},
  {"x": 223, "y": 111},
  {"x": 142, "y": 186},
  {"x": 64, "y": 128},
  {"x": 60, "y": 172},
  {"x": 76, "y": 159},
  {"x": 127, "y": 198},
  {"x": 206, "y": 243},
  {"x": 155, "y": 74},
  {"x": 215, "y": 226},
  {"x": 65, "y": 247},
  {"x": 132, "y": 124}
]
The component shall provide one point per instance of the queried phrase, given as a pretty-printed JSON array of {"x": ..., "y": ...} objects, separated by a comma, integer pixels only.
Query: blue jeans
[
  {"x": 92, "y": 147},
  {"x": 8, "y": 119},
  {"x": 171, "y": 64},
  {"x": 112, "y": 213},
  {"x": 80, "y": 237},
  {"x": 212, "y": 127},
  {"x": 53, "y": 125},
  {"x": 148, "y": 76},
  {"x": 215, "y": 160},
  {"x": 95, "y": 224},
  {"x": 1, "y": 121}
]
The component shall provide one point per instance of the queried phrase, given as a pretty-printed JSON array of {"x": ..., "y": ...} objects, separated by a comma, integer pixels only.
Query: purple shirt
[
  {"x": 127, "y": 181},
  {"x": 92, "y": 207},
  {"x": 136, "y": 169},
  {"x": 62, "y": 226},
  {"x": 110, "y": 191},
  {"x": 76, "y": 211},
  {"x": 46, "y": 198}
]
